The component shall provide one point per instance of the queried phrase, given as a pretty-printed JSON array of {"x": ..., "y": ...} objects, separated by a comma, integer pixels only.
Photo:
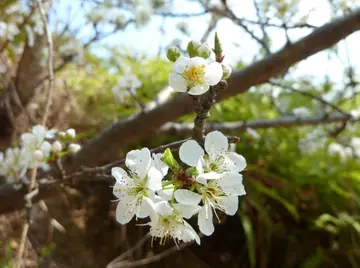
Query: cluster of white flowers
[
  {"x": 127, "y": 85},
  {"x": 195, "y": 74},
  {"x": 208, "y": 181},
  {"x": 36, "y": 149}
]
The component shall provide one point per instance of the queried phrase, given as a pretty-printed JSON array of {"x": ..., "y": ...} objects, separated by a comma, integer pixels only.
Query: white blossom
[
  {"x": 194, "y": 75},
  {"x": 167, "y": 222},
  {"x": 218, "y": 159},
  {"x": 74, "y": 148},
  {"x": 138, "y": 185}
]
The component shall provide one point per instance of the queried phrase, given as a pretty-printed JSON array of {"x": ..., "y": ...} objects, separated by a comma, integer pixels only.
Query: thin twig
[
  {"x": 130, "y": 251},
  {"x": 308, "y": 94},
  {"x": 33, "y": 190},
  {"x": 50, "y": 62},
  {"x": 155, "y": 258}
]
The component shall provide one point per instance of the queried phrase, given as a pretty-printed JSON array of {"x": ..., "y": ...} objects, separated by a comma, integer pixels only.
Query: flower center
[{"x": 194, "y": 75}]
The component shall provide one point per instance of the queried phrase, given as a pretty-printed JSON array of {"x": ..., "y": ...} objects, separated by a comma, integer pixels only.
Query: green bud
[
  {"x": 204, "y": 51},
  {"x": 170, "y": 161},
  {"x": 226, "y": 71},
  {"x": 173, "y": 53},
  {"x": 218, "y": 49},
  {"x": 192, "y": 48}
]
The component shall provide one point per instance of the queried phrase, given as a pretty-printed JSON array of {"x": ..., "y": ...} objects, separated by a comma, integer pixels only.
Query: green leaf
[{"x": 170, "y": 161}]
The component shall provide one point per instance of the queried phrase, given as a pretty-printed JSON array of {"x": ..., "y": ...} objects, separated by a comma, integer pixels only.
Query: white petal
[
  {"x": 190, "y": 234},
  {"x": 199, "y": 89},
  {"x": 139, "y": 161},
  {"x": 197, "y": 61},
  {"x": 216, "y": 143},
  {"x": 230, "y": 204},
  {"x": 187, "y": 197},
  {"x": 205, "y": 221},
  {"x": 117, "y": 190},
  {"x": 235, "y": 162},
  {"x": 177, "y": 82},
  {"x": 167, "y": 193},
  {"x": 163, "y": 208},
  {"x": 213, "y": 74},
  {"x": 122, "y": 178},
  {"x": 231, "y": 183},
  {"x": 125, "y": 211},
  {"x": 143, "y": 211},
  {"x": 149, "y": 206},
  {"x": 187, "y": 211},
  {"x": 208, "y": 176},
  {"x": 46, "y": 148},
  {"x": 154, "y": 179},
  {"x": 160, "y": 165},
  {"x": 190, "y": 152},
  {"x": 39, "y": 131},
  {"x": 180, "y": 64}
]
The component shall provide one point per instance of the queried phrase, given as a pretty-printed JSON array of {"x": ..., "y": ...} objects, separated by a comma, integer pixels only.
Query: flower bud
[
  {"x": 56, "y": 146},
  {"x": 204, "y": 51},
  {"x": 71, "y": 132},
  {"x": 38, "y": 155},
  {"x": 74, "y": 147},
  {"x": 192, "y": 48},
  {"x": 173, "y": 53},
  {"x": 62, "y": 134},
  {"x": 226, "y": 71}
]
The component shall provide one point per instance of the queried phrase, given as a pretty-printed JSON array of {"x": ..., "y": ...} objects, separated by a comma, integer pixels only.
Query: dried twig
[{"x": 33, "y": 190}]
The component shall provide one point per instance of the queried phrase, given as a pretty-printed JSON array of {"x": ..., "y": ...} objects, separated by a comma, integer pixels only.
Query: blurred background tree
[{"x": 296, "y": 116}]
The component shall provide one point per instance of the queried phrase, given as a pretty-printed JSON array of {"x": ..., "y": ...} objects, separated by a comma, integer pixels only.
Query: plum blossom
[
  {"x": 216, "y": 194},
  {"x": 218, "y": 159},
  {"x": 13, "y": 163},
  {"x": 194, "y": 75},
  {"x": 167, "y": 222},
  {"x": 138, "y": 185},
  {"x": 126, "y": 86}
]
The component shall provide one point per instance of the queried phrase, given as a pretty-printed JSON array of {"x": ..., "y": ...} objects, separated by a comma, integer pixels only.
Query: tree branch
[
  {"x": 236, "y": 126},
  {"x": 105, "y": 146}
]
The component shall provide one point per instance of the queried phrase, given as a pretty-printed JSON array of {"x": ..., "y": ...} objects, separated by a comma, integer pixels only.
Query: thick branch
[{"x": 104, "y": 147}]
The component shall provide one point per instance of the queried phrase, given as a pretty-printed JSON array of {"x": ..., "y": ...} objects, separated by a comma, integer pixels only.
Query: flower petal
[
  {"x": 205, "y": 220},
  {"x": 163, "y": 208},
  {"x": 216, "y": 143},
  {"x": 186, "y": 211},
  {"x": 121, "y": 177},
  {"x": 199, "y": 89},
  {"x": 190, "y": 234},
  {"x": 230, "y": 204},
  {"x": 208, "y": 176},
  {"x": 190, "y": 152},
  {"x": 187, "y": 197},
  {"x": 139, "y": 161},
  {"x": 154, "y": 179},
  {"x": 197, "y": 61},
  {"x": 177, "y": 82},
  {"x": 160, "y": 165},
  {"x": 213, "y": 74},
  {"x": 231, "y": 183},
  {"x": 125, "y": 211},
  {"x": 167, "y": 193},
  {"x": 235, "y": 162},
  {"x": 180, "y": 64}
]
